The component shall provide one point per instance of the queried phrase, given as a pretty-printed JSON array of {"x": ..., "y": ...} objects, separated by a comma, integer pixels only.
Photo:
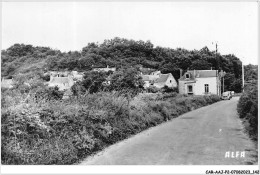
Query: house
[
  {"x": 7, "y": 83},
  {"x": 113, "y": 69},
  {"x": 200, "y": 82},
  {"x": 165, "y": 80},
  {"x": 63, "y": 83},
  {"x": 159, "y": 80},
  {"x": 64, "y": 80}
]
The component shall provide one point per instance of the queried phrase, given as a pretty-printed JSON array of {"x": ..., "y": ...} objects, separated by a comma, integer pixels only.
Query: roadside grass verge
[{"x": 66, "y": 132}]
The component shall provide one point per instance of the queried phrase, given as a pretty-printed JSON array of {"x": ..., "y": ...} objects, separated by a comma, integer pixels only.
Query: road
[{"x": 199, "y": 137}]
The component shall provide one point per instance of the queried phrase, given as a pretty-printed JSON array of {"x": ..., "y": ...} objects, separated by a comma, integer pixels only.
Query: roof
[
  {"x": 59, "y": 80},
  {"x": 200, "y": 74},
  {"x": 145, "y": 77},
  {"x": 7, "y": 83},
  {"x": 162, "y": 78},
  {"x": 157, "y": 78},
  {"x": 206, "y": 73}
]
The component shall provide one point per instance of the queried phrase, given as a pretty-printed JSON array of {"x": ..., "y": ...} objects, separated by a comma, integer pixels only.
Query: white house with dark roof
[
  {"x": 200, "y": 82},
  {"x": 159, "y": 80}
]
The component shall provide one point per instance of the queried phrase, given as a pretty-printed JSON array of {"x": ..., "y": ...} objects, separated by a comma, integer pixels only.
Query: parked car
[{"x": 226, "y": 95}]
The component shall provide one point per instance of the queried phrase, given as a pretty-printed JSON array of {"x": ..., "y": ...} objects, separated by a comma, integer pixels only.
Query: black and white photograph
[{"x": 124, "y": 83}]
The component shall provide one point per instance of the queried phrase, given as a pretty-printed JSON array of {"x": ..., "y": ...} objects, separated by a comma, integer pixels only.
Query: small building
[
  {"x": 106, "y": 69},
  {"x": 64, "y": 80},
  {"x": 200, "y": 82},
  {"x": 63, "y": 83},
  {"x": 7, "y": 83},
  {"x": 165, "y": 80},
  {"x": 159, "y": 80}
]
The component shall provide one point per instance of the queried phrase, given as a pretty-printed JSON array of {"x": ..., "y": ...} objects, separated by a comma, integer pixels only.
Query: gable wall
[
  {"x": 173, "y": 82},
  {"x": 199, "y": 87}
]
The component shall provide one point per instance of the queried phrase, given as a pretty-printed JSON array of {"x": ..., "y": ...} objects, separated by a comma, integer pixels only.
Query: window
[
  {"x": 190, "y": 89},
  {"x": 187, "y": 75},
  {"x": 170, "y": 81},
  {"x": 206, "y": 88}
]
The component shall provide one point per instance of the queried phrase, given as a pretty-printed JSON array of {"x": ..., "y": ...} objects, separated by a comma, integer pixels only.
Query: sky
[{"x": 191, "y": 25}]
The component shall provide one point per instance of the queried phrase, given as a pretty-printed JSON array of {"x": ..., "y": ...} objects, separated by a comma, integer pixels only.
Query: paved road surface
[{"x": 200, "y": 137}]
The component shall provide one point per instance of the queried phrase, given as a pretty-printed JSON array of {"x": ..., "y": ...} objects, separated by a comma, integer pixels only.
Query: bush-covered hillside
[{"x": 120, "y": 53}]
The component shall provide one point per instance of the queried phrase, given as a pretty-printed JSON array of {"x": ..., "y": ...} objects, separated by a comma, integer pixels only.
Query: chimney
[
  {"x": 210, "y": 68},
  {"x": 180, "y": 73}
]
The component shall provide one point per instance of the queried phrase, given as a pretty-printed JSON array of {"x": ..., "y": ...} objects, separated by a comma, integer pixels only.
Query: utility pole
[
  {"x": 223, "y": 84},
  {"x": 216, "y": 51},
  {"x": 243, "y": 77}
]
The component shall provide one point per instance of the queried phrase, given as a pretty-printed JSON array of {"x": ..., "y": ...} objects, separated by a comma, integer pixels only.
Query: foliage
[
  {"x": 64, "y": 132},
  {"x": 152, "y": 89},
  {"x": 78, "y": 89},
  {"x": 248, "y": 103},
  {"x": 48, "y": 93},
  {"x": 200, "y": 65},
  {"x": 167, "y": 89},
  {"x": 127, "y": 81},
  {"x": 248, "y": 111},
  {"x": 94, "y": 81},
  {"x": 119, "y": 53}
]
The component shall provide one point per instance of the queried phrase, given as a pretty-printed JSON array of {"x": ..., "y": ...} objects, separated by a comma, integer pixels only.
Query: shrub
[
  {"x": 248, "y": 111},
  {"x": 167, "y": 89},
  {"x": 152, "y": 89},
  {"x": 64, "y": 132}
]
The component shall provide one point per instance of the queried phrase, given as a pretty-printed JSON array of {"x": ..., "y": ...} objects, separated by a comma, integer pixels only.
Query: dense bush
[
  {"x": 64, "y": 132},
  {"x": 167, "y": 89},
  {"x": 248, "y": 110},
  {"x": 152, "y": 89}
]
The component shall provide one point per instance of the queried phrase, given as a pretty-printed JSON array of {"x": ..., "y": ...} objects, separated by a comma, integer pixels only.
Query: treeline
[
  {"x": 120, "y": 53},
  {"x": 248, "y": 103}
]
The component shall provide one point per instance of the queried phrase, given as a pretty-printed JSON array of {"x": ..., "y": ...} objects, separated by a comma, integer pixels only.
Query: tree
[
  {"x": 78, "y": 89},
  {"x": 20, "y": 50},
  {"x": 236, "y": 85},
  {"x": 200, "y": 65},
  {"x": 86, "y": 62},
  {"x": 94, "y": 81},
  {"x": 228, "y": 80},
  {"x": 127, "y": 81}
]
